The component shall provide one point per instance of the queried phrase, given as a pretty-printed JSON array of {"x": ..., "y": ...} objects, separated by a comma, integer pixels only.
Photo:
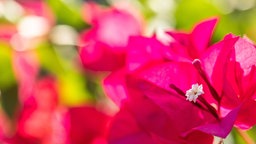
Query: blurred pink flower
[
  {"x": 26, "y": 68},
  {"x": 103, "y": 46},
  {"x": 87, "y": 125},
  {"x": 39, "y": 118},
  {"x": 7, "y": 31},
  {"x": 32, "y": 24},
  {"x": 38, "y": 8}
]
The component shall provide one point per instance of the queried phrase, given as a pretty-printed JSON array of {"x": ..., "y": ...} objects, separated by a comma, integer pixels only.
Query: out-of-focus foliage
[
  {"x": 235, "y": 19},
  {"x": 55, "y": 51},
  {"x": 68, "y": 12},
  {"x": 7, "y": 77}
]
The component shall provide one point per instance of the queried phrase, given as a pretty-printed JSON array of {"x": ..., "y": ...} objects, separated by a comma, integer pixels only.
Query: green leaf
[
  {"x": 239, "y": 139},
  {"x": 7, "y": 78},
  {"x": 49, "y": 60},
  {"x": 9, "y": 100},
  {"x": 189, "y": 12},
  {"x": 67, "y": 14},
  {"x": 73, "y": 89}
]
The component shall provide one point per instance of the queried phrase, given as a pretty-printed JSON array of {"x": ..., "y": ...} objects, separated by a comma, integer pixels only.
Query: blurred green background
[{"x": 57, "y": 50}]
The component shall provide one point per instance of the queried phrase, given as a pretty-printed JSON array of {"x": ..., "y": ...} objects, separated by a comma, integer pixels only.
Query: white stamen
[{"x": 195, "y": 91}]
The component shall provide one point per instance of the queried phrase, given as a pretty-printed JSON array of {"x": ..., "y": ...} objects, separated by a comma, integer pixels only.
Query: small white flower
[{"x": 195, "y": 91}]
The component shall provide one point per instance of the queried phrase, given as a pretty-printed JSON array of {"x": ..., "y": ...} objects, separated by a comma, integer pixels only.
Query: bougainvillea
[
  {"x": 187, "y": 80},
  {"x": 103, "y": 46},
  {"x": 114, "y": 82}
]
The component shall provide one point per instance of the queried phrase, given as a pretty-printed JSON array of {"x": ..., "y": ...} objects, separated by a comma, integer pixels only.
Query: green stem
[
  {"x": 221, "y": 141},
  {"x": 245, "y": 136}
]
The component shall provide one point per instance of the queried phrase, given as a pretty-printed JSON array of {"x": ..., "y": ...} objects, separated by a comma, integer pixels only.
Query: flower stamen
[
  {"x": 202, "y": 103},
  {"x": 195, "y": 91},
  {"x": 197, "y": 65}
]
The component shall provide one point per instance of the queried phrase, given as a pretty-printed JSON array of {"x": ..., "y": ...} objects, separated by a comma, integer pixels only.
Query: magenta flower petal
[
  {"x": 201, "y": 34},
  {"x": 162, "y": 114},
  {"x": 245, "y": 54},
  {"x": 87, "y": 124},
  {"x": 199, "y": 119},
  {"x": 192, "y": 45},
  {"x": 223, "y": 127},
  {"x": 245, "y": 119},
  {"x": 103, "y": 46},
  {"x": 115, "y": 86},
  {"x": 125, "y": 130},
  {"x": 160, "y": 76},
  {"x": 215, "y": 60},
  {"x": 111, "y": 26},
  {"x": 159, "y": 82},
  {"x": 180, "y": 37},
  {"x": 240, "y": 82},
  {"x": 181, "y": 46},
  {"x": 182, "y": 74},
  {"x": 142, "y": 50},
  {"x": 98, "y": 56}
]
